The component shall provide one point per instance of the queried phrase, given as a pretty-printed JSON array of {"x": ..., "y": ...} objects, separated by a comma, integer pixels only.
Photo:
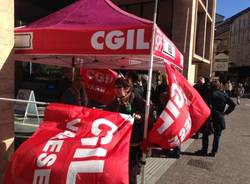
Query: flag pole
[
  {"x": 149, "y": 86},
  {"x": 23, "y": 101}
]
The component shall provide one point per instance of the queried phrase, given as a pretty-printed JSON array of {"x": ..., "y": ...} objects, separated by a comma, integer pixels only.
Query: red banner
[
  {"x": 165, "y": 49},
  {"x": 74, "y": 145},
  {"x": 105, "y": 41},
  {"x": 99, "y": 84},
  {"x": 184, "y": 114}
]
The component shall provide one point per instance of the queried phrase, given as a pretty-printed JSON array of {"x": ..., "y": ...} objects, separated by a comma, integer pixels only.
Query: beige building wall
[
  {"x": 193, "y": 33},
  {"x": 6, "y": 82},
  {"x": 190, "y": 25},
  {"x": 183, "y": 33}
]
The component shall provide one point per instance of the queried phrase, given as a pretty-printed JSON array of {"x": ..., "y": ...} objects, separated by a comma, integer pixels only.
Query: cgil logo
[
  {"x": 176, "y": 103},
  {"x": 114, "y": 40},
  {"x": 54, "y": 145},
  {"x": 100, "y": 77}
]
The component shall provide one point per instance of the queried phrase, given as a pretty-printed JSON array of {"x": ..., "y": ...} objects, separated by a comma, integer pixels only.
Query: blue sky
[{"x": 229, "y": 8}]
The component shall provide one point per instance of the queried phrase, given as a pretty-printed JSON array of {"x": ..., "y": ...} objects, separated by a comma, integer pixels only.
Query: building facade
[
  {"x": 232, "y": 37},
  {"x": 6, "y": 82},
  {"x": 188, "y": 23}
]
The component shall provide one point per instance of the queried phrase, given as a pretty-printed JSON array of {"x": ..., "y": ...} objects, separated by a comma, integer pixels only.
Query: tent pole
[
  {"x": 30, "y": 65},
  {"x": 73, "y": 68},
  {"x": 149, "y": 86}
]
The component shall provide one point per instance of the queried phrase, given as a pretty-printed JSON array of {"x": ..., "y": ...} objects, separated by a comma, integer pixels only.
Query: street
[{"x": 231, "y": 165}]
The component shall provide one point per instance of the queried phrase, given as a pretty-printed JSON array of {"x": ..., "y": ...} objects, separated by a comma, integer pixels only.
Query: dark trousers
[
  {"x": 177, "y": 150},
  {"x": 134, "y": 157},
  {"x": 216, "y": 141},
  {"x": 206, "y": 130},
  {"x": 205, "y": 140}
]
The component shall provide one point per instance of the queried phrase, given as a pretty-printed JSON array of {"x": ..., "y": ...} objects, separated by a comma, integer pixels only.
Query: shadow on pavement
[{"x": 193, "y": 154}]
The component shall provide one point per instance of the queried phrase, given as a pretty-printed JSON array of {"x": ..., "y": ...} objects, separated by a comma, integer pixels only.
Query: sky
[{"x": 229, "y": 8}]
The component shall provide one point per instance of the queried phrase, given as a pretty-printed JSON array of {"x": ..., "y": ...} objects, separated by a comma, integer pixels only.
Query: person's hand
[
  {"x": 137, "y": 116},
  {"x": 145, "y": 146}
]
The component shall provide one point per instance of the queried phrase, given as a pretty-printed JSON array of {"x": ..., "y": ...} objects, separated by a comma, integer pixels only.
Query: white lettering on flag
[
  {"x": 91, "y": 141},
  {"x": 70, "y": 125},
  {"x": 96, "y": 130},
  {"x": 45, "y": 159},
  {"x": 41, "y": 176},
  {"x": 167, "y": 122},
  {"x": 179, "y": 99},
  {"x": 186, "y": 129},
  {"x": 173, "y": 109},
  {"x": 89, "y": 166},
  {"x": 82, "y": 153},
  {"x": 54, "y": 145},
  {"x": 64, "y": 135}
]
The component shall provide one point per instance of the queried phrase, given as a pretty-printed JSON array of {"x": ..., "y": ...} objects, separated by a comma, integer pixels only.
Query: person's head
[
  {"x": 122, "y": 88},
  {"x": 207, "y": 80},
  {"x": 164, "y": 97},
  {"x": 201, "y": 80},
  {"x": 144, "y": 79},
  {"x": 132, "y": 77},
  {"x": 162, "y": 79},
  {"x": 216, "y": 85},
  {"x": 77, "y": 82}
]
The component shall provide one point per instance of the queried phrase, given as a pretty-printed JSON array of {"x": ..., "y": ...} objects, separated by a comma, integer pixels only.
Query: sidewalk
[
  {"x": 230, "y": 166},
  {"x": 156, "y": 167}
]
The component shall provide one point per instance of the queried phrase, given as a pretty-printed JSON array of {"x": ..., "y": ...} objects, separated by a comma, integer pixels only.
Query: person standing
[
  {"x": 75, "y": 94},
  {"x": 127, "y": 102},
  {"x": 239, "y": 92},
  {"x": 204, "y": 89},
  {"x": 219, "y": 100},
  {"x": 133, "y": 79},
  {"x": 144, "y": 81},
  {"x": 161, "y": 88},
  {"x": 199, "y": 85},
  {"x": 229, "y": 88}
]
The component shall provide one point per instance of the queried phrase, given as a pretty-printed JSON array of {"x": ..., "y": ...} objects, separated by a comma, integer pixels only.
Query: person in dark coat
[
  {"x": 144, "y": 81},
  {"x": 205, "y": 90},
  {"x": 128, "y": 103},
  {"x": 75, "y": 94},
  {"x": 219, "y": 100},
  {"x": 161, "y": 88},
  {"x": 134, "y": 81}
]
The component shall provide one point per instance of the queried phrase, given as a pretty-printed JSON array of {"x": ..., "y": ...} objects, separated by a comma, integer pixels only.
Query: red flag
[
  {"x": 184, "y": 114},
  {"x": 74, "y": 145},
  {"x": 99, "y": 84}
]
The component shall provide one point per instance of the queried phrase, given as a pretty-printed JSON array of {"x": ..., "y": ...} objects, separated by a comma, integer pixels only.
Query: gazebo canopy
[{"x": 94, "y": 34}]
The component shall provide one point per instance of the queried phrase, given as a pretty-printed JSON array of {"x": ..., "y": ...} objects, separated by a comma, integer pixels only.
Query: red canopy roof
[
  {"x": 86, "y": 14},
  {"x": 94, "y": 34}
]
